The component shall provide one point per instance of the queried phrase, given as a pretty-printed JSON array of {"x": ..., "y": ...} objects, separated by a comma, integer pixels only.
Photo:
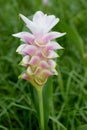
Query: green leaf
[
  {"x": 60, "y": 125},
  {"x": 34, "y": 97},
  {"x": 74, "y": 37},
  {"x": 82, "y": 127}
]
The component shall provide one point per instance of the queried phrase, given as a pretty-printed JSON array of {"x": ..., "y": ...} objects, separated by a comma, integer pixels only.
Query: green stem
[{"x": 40, "y": 94}]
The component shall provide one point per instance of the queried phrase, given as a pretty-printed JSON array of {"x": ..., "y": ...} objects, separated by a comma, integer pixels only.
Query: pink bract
[{"x": 38, "y": 48}]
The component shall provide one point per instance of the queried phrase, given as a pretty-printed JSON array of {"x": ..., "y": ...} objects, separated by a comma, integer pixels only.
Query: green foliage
[
  {"x": 83, "y": 127},
  {"x": 65, "y": 95}
]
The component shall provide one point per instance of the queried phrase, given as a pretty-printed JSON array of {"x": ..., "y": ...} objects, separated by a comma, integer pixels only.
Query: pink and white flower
[{"x": 38, "y": 48}]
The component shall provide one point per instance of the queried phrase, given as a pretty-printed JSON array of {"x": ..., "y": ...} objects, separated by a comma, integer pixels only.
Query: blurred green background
[{"x": 69, "y": 98}]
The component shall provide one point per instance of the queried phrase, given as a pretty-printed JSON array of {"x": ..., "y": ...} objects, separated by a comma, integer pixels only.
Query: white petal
[
  {"x": 26, "y": 59},
  {"x": 48, "y": 73},
  {"x": 29, "y": 71},
  {"x": 52, "y": 54},
  {"x": 51, "y": 21},
  {"x": 24, "y": 76},
  {"x": 52, "y": 63},
  {"x": 26, "y": 49},
  {"x": 44, "y": 64},
  {"x": 38, "y": 17},
  {"x": 25, "y": 36},
  {"x": 20, "y": 49},
  {"x": 34, "y": 60},
  {"x": 53, "y": 46},
  {"x": 52, "y": 35},
  {"x": 45, "y": 23},
  {"x": 29, "y": 23}
]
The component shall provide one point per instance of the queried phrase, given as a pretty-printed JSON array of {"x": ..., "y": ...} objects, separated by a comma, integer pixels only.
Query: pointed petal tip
[
  {"x": 14, "y": 35},
  {"x": 61, "y": 47},
  {"x": 20, "y": 15},
  {"x": 57, "y": 20},
  {"x": 56, "y": 73},
  {"x": 24, "y": 76},
  {"x": 18, "y": 35},
  {"x": 22, "y": 64},
  {"x": 25, "y": 19},
  {"x": 17, "y": 50},
  {"x": 64, "y": 33}
]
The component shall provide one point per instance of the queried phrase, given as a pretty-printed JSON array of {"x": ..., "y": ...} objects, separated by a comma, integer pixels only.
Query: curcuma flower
[{"x": 38, "y": 48}]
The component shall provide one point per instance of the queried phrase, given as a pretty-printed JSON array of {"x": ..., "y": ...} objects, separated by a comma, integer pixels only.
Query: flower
[
  {"x": 38, "y": 48},
  {"x": 45, "y": 2}
]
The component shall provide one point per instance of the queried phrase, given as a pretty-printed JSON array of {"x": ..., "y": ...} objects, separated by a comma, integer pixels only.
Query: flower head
[{"x": 38, "y": 48}]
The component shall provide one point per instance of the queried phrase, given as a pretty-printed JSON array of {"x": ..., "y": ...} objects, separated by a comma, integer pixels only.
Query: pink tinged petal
[
  {"x": 44, "y": 64},
  {"x": 20, "y": 49},
  {"x": 52, "y": 63},
  {"x": 26, "y": 49},
  {"x": 37, "y": 71},
  {"x": 46, "y": 73},
  {"x": 25, "y": 36},
  {"x": 38, "y": 36},
  {"x": 39, "y": 43},
  {"x": 25, "y": 60},
  {"x": 53, "y": 46},
  {"x": 50, "y": 54},
  {"x": 51, "y": 36},
  {"x": 29, "y": 71},
  {"x": 39, "y": 54},
  {"x": 30, "y": 50},
  {"x": 29, "y": 23},
  {"x": 54, "y": 72},
  {"x": 34, "y": 60},
  {"x": 24, "y": 76}
]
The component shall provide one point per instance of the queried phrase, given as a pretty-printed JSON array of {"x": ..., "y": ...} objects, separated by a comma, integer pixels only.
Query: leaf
[
  {"x": 74, "y": 37},
  {"x": 82, "y": 127},
  {"x": 34, "y": 97},
  {"x": 58, "y": 123}
]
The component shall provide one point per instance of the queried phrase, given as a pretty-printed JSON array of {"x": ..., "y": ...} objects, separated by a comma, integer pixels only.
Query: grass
[{"x": 69, "y": 98}]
